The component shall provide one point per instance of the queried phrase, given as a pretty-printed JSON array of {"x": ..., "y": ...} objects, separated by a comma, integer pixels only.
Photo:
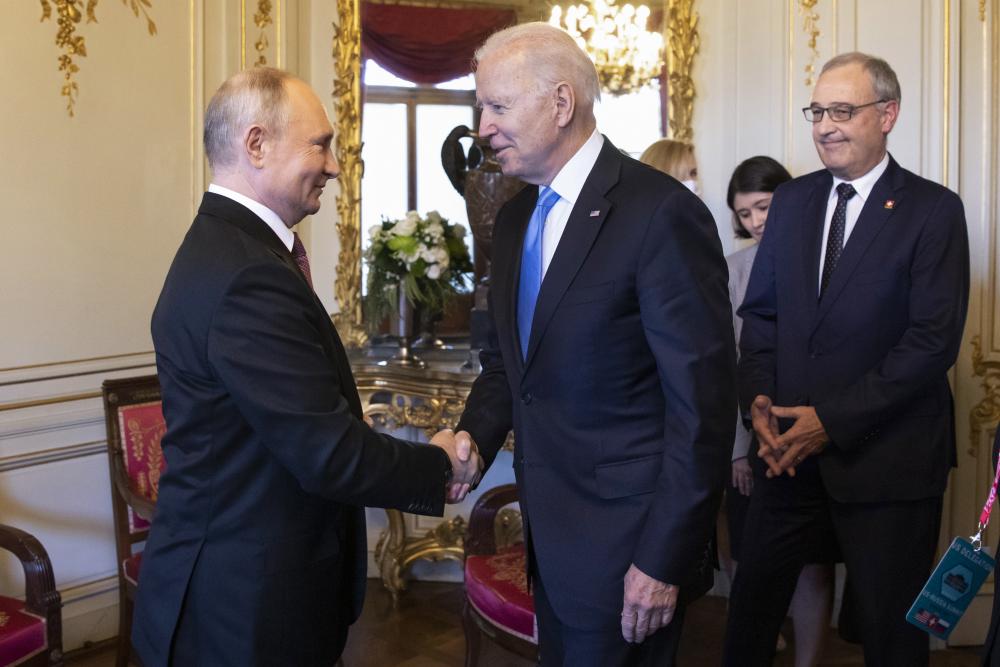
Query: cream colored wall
[
  {"x": 751, "y": 80},
  {"x": 94, "y": 207}
]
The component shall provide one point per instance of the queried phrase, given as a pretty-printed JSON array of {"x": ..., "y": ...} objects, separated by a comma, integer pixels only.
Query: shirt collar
[
  {"x": 863, "y": 185},
  {"x": 570, "y": 179},
  {"x": 261, "y": 211}
]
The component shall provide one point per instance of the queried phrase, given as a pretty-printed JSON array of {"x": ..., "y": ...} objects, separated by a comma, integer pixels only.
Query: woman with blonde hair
[{"x": 675, "y": 158}]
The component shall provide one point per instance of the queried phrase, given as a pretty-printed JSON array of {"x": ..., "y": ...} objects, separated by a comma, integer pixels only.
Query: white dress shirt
[
  {"x": 568, "y": 183},
  {"x": 863, "y": 187},
  {"x": 261, "y": 211}
]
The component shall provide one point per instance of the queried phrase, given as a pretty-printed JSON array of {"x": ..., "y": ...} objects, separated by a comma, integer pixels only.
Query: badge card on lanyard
[{"x": 956, "y": 579}]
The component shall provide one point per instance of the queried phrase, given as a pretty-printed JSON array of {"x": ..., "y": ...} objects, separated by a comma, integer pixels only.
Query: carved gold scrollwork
[
  {"x": 508, "y": 528},
  {"x": 810, "y": 24},
  {"x": 75, "y": 46},
  {"x": 262, "y": 19},
  {"x": 395, "y": 553},
  {"x": 430, "y": 414},
  {"x": 982, "y": 10},
  {"x": 683, "y": 43},
  {"x": 986, "y": 413},
  {"x": 347, "y": 108}
]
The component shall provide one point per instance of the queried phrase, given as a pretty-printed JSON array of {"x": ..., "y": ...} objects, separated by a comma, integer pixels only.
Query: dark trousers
[
  {"x": 888, "y": 549},
  {"x": 562, "y": 646}
]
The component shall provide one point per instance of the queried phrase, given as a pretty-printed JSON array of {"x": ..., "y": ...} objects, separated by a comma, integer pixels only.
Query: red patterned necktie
[{"x": 300, "y": 257}]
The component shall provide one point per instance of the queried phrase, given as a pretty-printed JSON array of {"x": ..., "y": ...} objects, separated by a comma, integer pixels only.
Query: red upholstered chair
[
  {"x": 498, "y": 603},
  {"x": 135, "y": 425},
  {"x": 30, "y": 631}
]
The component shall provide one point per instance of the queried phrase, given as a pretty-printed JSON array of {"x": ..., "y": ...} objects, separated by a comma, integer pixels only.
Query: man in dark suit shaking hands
[
  {"x": 852, "y": 317},
  {"x": 612, "y": 358},
  {"x": 257, "y": 553}
]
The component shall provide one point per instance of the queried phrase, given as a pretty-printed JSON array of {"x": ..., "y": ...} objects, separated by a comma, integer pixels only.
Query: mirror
[{"x": 681, "y": 46}]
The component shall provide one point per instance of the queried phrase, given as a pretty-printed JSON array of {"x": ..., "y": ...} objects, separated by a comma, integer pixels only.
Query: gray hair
[
  {"x": 884, "y": 81},
  {"x": 555, "y": 57},
  {"x": 255, "y": 96}
]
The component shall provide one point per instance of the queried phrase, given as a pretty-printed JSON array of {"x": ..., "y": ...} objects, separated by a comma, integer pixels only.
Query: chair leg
[
  {"x": 124, "y": 631},
  {"x": 472, "y": 636}
]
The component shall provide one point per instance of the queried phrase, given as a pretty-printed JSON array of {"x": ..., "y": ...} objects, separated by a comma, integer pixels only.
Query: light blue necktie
[{"x": 531, "y": 265}]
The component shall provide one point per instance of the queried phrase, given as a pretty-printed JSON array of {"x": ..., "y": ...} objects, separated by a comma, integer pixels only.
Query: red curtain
[{"x": 427, "y": 45}]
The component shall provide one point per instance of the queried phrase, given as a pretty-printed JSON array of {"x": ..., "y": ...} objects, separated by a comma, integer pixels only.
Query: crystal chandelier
[{"x": 626, "y": 54}]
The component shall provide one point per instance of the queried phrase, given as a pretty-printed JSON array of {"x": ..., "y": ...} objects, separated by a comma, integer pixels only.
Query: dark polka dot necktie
[{"x": 835, "y": 241}]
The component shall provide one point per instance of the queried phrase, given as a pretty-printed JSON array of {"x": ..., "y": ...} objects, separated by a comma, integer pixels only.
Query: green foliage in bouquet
[{"x": 427, "y": 256}]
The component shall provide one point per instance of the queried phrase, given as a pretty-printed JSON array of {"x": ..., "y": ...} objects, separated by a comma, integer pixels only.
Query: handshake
[{"x": 466, "y": 464}]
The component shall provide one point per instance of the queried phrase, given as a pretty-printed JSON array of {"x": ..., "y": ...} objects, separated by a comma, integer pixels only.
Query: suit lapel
[
  {"x": 247, "y": 221},
  {"x": 577, "y": 238},
  {"x": 814, "y": 216},
  {"x": 873, "y": 218},
  {"x": 506, "y": 265}
]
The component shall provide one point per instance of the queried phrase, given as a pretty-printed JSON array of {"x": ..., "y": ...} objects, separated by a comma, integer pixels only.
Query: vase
[
  {"x": 404, "y": 355},
  {"x": 428, "y": 340},
  {"x": 478, "y": 178}
]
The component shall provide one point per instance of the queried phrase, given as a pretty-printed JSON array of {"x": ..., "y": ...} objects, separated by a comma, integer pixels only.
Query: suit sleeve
[
  {"x": 265, "y": 345},
  {"x": 488, "y": 409},
  {"x": 681, "y": 284},
  {"x": 938, "y": 300},
  {"x": 759, "y": 332}
]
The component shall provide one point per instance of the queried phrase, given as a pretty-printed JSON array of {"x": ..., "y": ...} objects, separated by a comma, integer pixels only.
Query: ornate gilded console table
[{"x": 429, "y": 399}]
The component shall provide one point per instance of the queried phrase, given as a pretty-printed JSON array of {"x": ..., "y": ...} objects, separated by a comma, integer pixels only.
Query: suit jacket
[
  {"x": 257, "y": 552},
  {"x": 623, "y": 409},
  {"x": 740, "y": 264},
  {"x": 871, "y": 356}
]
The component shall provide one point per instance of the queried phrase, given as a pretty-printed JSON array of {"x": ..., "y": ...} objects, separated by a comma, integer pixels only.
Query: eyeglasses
[{"x": 838, "y": 112}]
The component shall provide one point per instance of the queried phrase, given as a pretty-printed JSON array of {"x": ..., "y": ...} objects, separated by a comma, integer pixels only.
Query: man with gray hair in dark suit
[{"x": 852, "y": 317}]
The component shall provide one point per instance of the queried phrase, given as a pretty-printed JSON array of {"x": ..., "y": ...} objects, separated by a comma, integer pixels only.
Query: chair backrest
[
  {"x": 134, "y": 419},
  {"x": 42, "y": 601}
]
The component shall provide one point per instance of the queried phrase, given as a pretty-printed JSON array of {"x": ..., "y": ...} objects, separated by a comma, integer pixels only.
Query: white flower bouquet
[{"x": 425, "y": 256}]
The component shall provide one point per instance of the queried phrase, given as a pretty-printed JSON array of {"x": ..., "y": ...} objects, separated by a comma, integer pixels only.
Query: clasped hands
[
  {"x": 466, "y": 464},
  {"x": 783, "y": 451}
]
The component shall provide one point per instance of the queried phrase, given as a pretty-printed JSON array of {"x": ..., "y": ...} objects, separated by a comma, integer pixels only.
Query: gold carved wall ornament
[
  {"x": 69, "y": 15},
  {"x": 982, "y": 10},
  {"x": 985, "y": 414},
  {"x": 347, "y": 109},
  {"x": 683, "y": 43},
  {"x": 810, "y": 25},
  {"x": 262, "y": 19}
]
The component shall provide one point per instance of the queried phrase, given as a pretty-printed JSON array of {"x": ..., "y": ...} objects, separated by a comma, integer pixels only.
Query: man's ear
[
  {"x": 565, "y": 104},
  {"x": 253, "y": 145},
  {"x": 889, "y": 116}
]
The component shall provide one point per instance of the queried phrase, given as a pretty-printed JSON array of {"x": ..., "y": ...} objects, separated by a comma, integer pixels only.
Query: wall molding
[
  {"x": 52, "y": 455},
  {"x": 58, "y": 370},
  {"x": 49, "y": 423}
]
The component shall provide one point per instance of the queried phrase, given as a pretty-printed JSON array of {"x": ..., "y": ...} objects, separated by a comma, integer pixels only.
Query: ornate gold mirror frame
[{"x": 682, "y": 42}]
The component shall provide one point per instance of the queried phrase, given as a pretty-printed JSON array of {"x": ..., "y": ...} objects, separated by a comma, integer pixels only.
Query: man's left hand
[
  {"x": 806, "y": 437},
  {"x": 649, "y": 605}
]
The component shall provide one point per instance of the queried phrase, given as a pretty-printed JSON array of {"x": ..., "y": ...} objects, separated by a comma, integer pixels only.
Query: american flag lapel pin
[
  {"x": 594, "y": 214},
  {"x": 890, "y": 204}
]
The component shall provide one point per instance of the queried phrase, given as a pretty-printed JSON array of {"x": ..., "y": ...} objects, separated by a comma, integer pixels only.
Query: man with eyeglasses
[{"x": 852, "y": 317}]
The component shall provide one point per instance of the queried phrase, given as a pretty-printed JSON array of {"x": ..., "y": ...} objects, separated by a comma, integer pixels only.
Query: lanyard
[{"x": 984, "y": 516}]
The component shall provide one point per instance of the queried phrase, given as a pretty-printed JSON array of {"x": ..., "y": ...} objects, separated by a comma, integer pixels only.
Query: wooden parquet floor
[{"x": 425, "y": 630}]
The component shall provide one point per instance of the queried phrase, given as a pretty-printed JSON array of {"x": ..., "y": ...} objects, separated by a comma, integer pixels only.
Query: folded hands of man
[{"x": 783, "y": 451}]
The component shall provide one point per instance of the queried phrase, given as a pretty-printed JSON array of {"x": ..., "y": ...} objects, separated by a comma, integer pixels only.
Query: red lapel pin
[{"x": 890, "y": 204}]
